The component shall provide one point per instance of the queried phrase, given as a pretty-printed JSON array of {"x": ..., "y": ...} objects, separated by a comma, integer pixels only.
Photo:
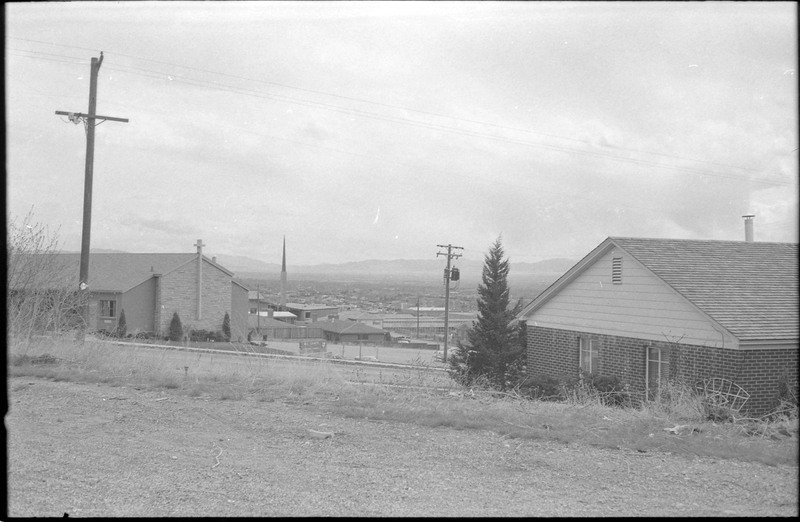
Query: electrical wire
[{"x": 406, "y": 121}]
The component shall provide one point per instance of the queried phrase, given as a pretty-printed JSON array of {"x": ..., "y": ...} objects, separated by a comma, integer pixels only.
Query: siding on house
[{"x": 642, "y": 306}]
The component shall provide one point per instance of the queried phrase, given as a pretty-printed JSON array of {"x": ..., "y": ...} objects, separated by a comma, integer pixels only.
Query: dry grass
[{"x": 418, "y": 397}]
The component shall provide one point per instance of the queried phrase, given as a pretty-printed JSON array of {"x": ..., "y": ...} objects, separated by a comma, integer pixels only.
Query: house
[
  {"x": 151, "y": 287},
  {"x": 257, "y": 301},
  {"x": 266, "y": 327},
  {"x": 645, "y": 310},
  {"x": 342, "y": 331},
  {"x": 309, "y": 313}
]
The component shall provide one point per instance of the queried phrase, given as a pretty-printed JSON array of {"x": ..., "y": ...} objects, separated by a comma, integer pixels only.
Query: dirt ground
[{"x": 96, "y": 450}]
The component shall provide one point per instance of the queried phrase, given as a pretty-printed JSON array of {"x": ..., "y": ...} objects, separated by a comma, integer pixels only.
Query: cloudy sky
[{"x": 373, "y": 130}]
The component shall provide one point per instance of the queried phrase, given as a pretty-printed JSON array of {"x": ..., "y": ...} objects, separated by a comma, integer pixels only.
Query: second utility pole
[{"x": 450, "y": 256}]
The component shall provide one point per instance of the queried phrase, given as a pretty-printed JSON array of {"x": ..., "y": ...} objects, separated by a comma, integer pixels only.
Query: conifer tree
[
  {"x": 226, "y": 327},
  {"x": 175, "y": 328},
  {"x": 495, "y": 350},
  {"x": 122, "y": 325}
]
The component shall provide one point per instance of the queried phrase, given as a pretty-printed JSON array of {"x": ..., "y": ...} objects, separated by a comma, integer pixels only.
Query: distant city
[{"x": 394, "y": 286}]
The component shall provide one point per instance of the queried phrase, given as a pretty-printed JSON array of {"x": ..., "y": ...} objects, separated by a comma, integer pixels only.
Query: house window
[
  {"x": 107, "y": 308},
  {"x": 363, "y": 337},
  {"x": 616, "y": 270},
  {"x": 590, "y": 355},
  {"x": 657, "y": 369}
]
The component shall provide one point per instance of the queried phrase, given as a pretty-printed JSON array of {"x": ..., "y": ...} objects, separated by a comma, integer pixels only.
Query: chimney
[
  {"x": 199, "y": 246},
  {"x": 748, "y": 227},
  {"x": 214, "y": 260}
]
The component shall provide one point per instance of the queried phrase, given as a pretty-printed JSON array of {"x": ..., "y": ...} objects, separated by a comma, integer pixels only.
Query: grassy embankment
[{"x": 325, "y": 386}]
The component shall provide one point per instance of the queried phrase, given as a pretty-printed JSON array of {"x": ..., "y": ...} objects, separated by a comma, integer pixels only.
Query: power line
[{"x": 432, "y": 126}]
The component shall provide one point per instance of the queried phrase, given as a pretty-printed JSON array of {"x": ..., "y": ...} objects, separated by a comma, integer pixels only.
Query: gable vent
[{"x": 616, "y": 270}]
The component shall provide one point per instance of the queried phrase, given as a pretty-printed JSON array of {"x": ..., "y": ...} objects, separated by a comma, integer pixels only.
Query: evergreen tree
[
  {"x": 495, "y": 350},
  {"x": 175, "y": 328},
  {"x": 122, "y": 326},
  {"x": 226, "y": 327}
]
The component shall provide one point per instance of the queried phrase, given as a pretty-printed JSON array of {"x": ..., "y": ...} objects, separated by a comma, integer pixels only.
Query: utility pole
[
  {"x": 90, "y": 121},
  {"x": 447, "y": 276},
  {"x": 417, "y": 317}
]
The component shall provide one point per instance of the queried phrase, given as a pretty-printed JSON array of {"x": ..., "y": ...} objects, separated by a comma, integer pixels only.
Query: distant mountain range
[
  {"x": 397, "y": 267},
  {"x": 243, "y": 266}
]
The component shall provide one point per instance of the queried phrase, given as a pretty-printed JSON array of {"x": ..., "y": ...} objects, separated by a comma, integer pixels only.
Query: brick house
[
  {"x": 644, "y": 310},
  {"x": 150, "y": 288}
]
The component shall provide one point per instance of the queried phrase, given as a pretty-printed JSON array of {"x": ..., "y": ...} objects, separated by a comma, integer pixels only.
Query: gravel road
[{"x": 96, "y": 450}]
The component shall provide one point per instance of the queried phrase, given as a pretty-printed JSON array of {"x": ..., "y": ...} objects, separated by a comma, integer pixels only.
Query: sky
[{"x": 381, "y": 130}]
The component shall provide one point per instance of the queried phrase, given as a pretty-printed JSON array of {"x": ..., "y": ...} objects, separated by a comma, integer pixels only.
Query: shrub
[
  {"x": 226, "y": 327},
  {"x": 542, "y": 387},
  {"x": 202, "y": 336},
  {"x": 122, "y": 326},
  {"x": 611, "y": 391},
  {"x": 175, "y": 328}
]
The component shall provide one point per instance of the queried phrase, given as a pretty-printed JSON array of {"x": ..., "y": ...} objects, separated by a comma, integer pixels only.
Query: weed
[{"x": 424, "y": 398}]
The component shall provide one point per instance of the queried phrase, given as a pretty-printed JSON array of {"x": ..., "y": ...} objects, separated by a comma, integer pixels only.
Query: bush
[
  {"x": 122, "y": 325},
  {"x": 611, "y": 391},
  {"x": 203, "y": 336},
  {"x": 175, "y": 328},
  {"x": 541, "y": 387},
  {"x": 608, "y": 390},
  {"x": 226, "y": 327}
]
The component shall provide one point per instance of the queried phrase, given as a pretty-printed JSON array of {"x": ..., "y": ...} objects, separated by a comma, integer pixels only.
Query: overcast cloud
[{"x": 373, "y": 130}]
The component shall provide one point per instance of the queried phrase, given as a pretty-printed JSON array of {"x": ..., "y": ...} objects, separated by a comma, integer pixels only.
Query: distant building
[
  {"x": 269, "y": 328},
  {"x": 309, "y": 313},
  {"x": 338, "y": 331},
  {"x": 423, "y": 327}
]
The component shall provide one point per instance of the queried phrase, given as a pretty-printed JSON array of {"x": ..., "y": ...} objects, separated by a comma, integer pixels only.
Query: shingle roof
[
  {"x": 253, "y": 321},
  {"x": 749, "y": 288},
  {"x": 119, "y": 272},
  {"x": 349, "y": 327}
]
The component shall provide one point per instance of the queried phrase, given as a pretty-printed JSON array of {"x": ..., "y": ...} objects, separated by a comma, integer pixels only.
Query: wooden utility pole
[
  {"x": 417, "y": 317},
  {"x": 90, "y": 121},
  {"x": 447, "y": 275}
]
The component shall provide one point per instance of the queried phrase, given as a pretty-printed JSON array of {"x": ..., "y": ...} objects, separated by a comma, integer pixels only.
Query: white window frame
[
  {"x": 662, "y": 363},
  {"x": 590, "y": 346}
]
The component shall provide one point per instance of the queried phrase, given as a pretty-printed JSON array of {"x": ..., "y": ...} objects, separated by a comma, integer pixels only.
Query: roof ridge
[{"x": 702, "y": 240}]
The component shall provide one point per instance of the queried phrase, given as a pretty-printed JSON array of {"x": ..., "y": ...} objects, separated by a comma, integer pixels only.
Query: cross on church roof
[{"x": 199, "y": 246}]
